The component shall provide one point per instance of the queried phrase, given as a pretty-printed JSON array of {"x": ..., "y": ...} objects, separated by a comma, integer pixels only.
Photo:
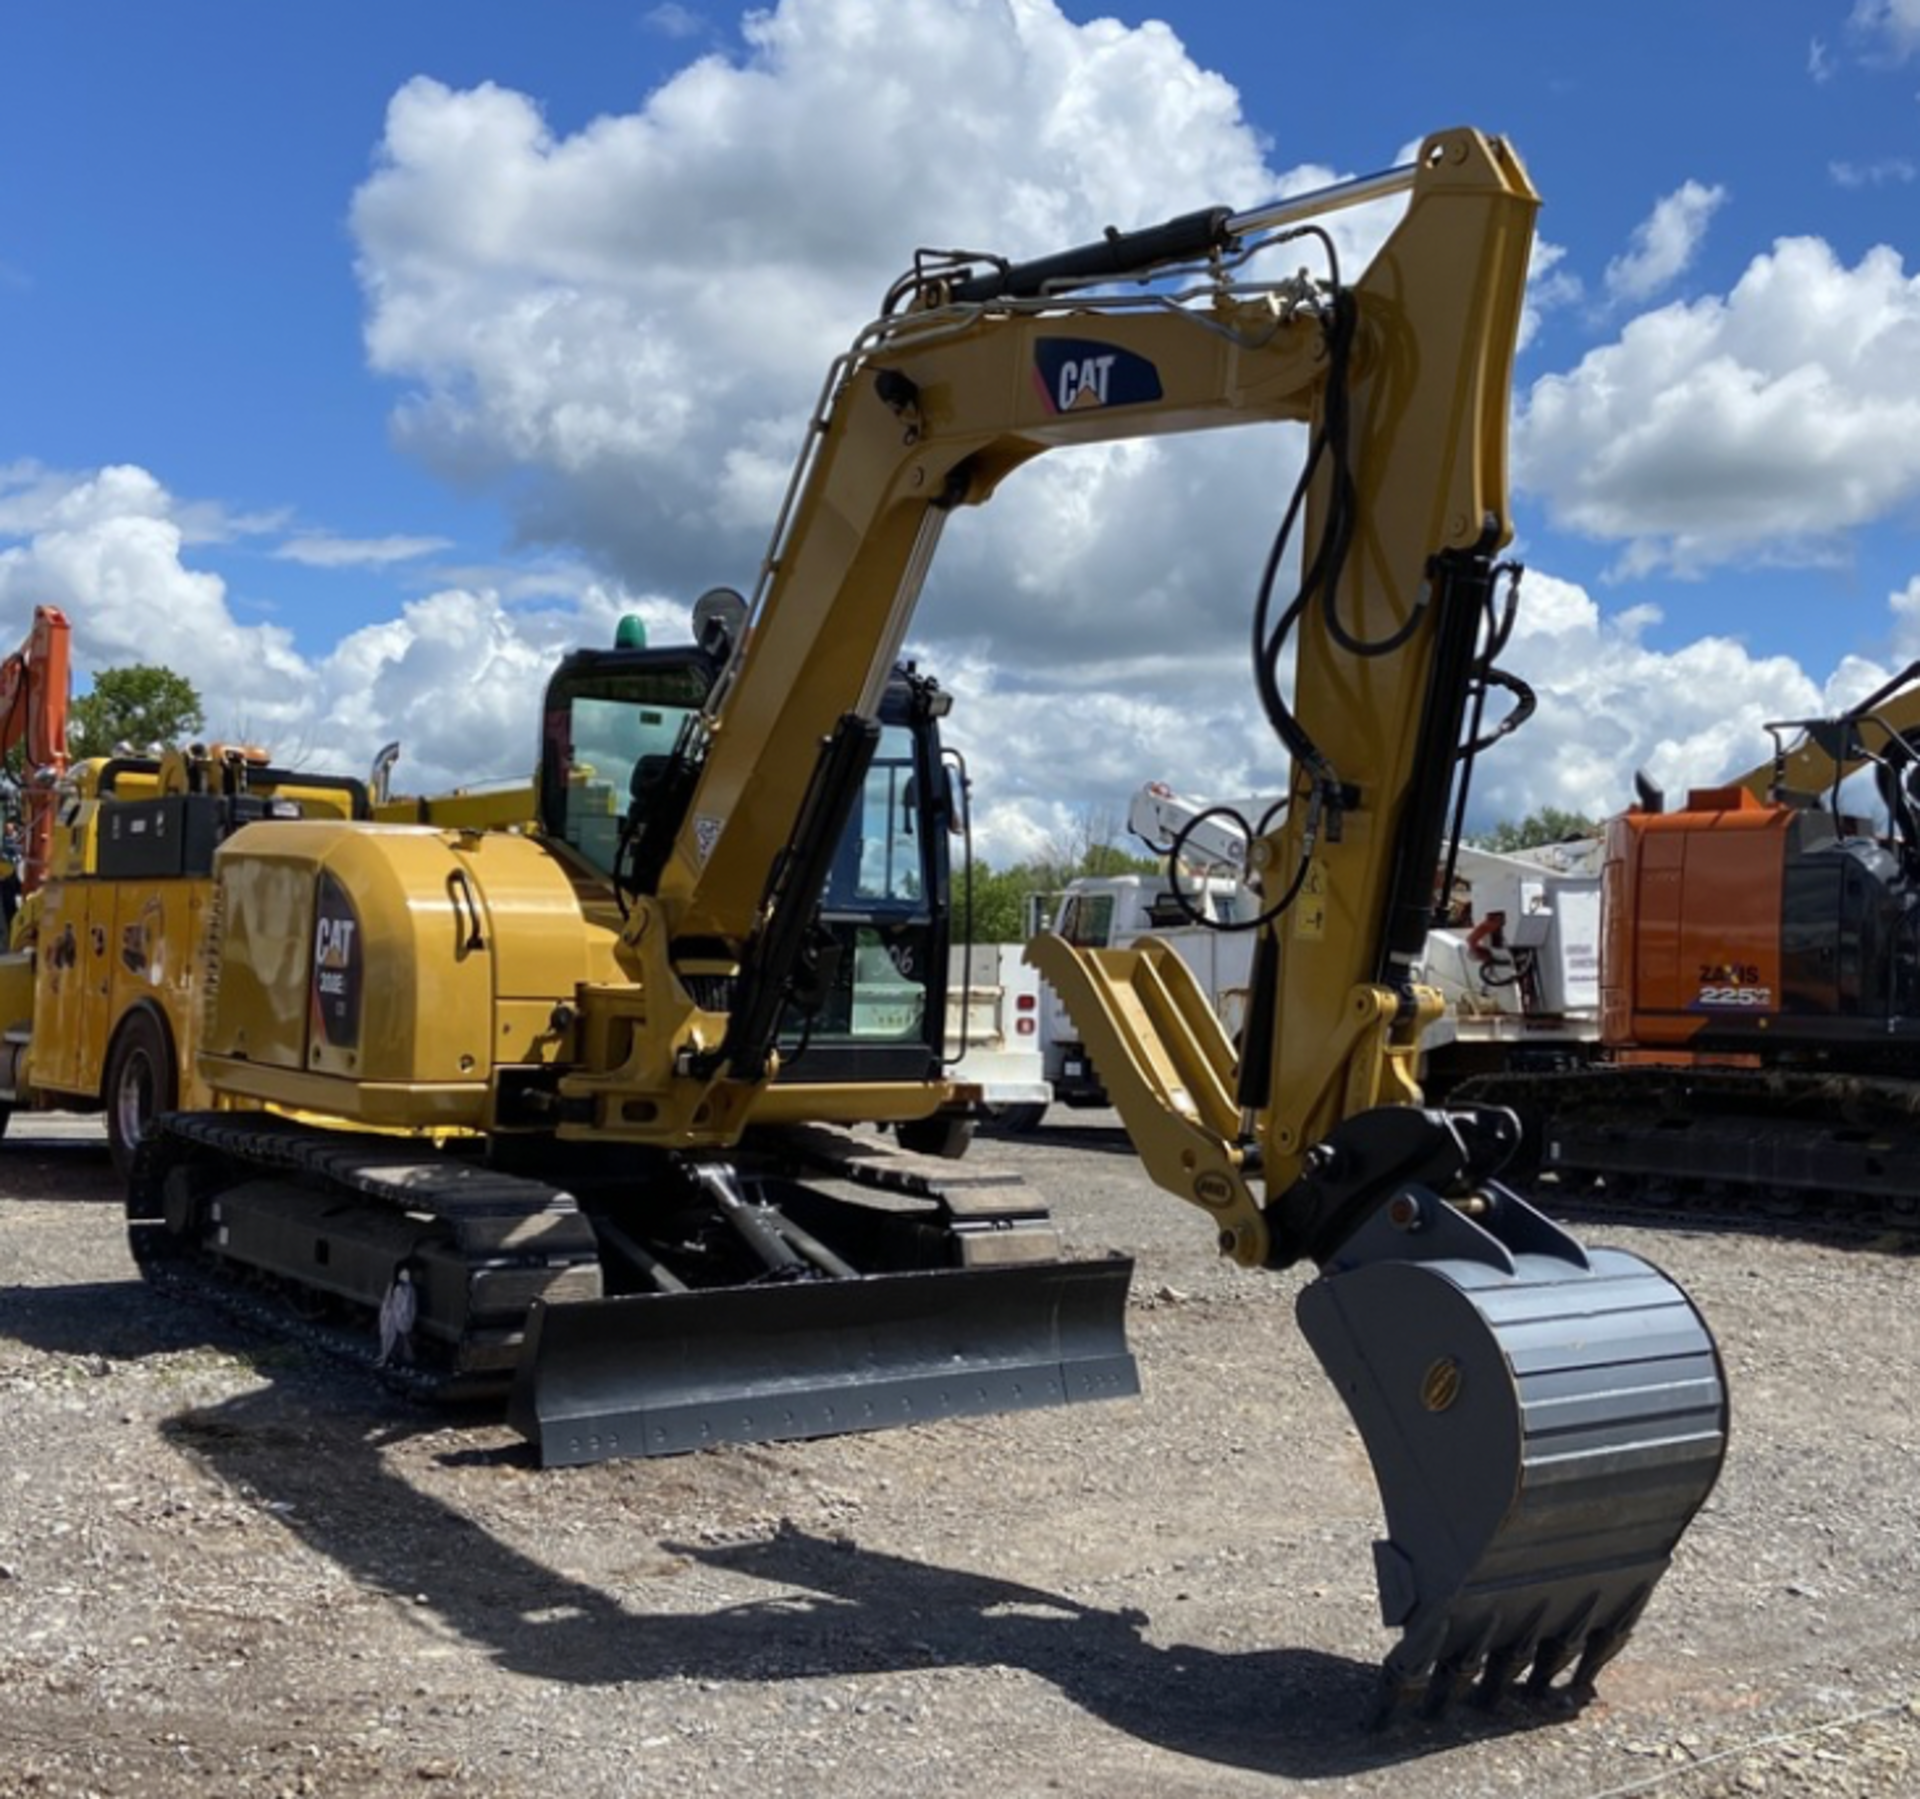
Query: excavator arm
[
  {"x": 1812, "y": 756},
  {"x": 1543, "y": 1421}
]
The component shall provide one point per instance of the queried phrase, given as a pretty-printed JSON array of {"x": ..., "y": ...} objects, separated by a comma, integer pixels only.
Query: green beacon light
[{"x": 631, "y": 633}]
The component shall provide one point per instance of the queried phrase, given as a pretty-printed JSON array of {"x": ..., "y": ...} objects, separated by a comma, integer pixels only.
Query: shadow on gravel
[
  {"x": 1862, "y": 1227},
  {"x": 113, "y": 1321},
  {"x": 1105, "y": 1139},
  {"x": 840, "y": 1611},
  {"x": 58, "y": 1168}
]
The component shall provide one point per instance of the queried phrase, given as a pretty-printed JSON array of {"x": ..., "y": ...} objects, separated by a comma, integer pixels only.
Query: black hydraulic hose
[
  {"x": 1255, "y": 1085},
  {"x": 1461, "y": 582},
  {"x": 1320, "y": 578},
  {"x": 1485, "y": 676}
]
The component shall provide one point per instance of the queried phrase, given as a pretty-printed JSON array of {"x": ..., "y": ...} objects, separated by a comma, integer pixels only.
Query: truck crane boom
[
  {"x": 35, "y": 681},
  {"x": 1214, "y": 836}
]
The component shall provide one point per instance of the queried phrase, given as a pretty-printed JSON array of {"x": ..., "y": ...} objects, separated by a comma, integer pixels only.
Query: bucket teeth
[
  {"x": 1494, "y": 1664},
  {"x": 1602, "y": 1646},
  {"x": 1454, "y": 1677},
  {"x": 1508, "y": 1660},
  {"x": 1557, "y": 1653}
]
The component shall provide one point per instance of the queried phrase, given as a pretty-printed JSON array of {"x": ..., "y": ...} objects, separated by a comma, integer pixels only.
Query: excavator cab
[
  {"x": 615, "y": 735},
  {"x": 882, "y": 1007}
]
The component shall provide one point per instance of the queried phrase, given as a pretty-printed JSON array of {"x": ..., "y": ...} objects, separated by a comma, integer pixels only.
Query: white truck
[
  {"x": 1110, "y": 912},
  {"x": 994, "y": 1013},
  {"x": 993, "y": 1038},
  {"x": 1517, "y": 954}
]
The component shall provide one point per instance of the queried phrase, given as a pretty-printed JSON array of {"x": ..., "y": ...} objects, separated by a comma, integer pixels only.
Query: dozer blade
[
  {"x": 660, "y": 1374},
  {"x": 1544, "y": 1421}
]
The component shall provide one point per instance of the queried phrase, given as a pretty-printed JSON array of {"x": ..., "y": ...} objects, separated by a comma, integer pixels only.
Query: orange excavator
[{"x": 1759, "y": 1048}]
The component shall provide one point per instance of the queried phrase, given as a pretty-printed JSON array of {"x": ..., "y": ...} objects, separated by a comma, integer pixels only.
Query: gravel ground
[{"x": 227, "y": 1568}]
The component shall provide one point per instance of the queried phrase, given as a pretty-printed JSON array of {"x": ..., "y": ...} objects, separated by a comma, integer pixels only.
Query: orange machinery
[{"x": 34, "y": 684}]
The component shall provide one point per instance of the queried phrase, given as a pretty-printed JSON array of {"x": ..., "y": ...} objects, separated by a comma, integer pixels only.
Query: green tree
[
  {"x": 1548, "y": 825},
  {"x": 140, "y": 705},
  {"x": 998, "y": 909}
]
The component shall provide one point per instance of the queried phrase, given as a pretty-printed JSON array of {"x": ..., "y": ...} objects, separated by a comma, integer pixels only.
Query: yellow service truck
[{"x": 101, "y": 986}]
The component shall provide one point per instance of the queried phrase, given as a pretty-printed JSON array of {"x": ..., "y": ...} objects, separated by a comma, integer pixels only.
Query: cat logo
[
  {"x": 1077, "y": 374},
  {"x": 333, "y": 942},
  {"x": 337, "y": 976},
  {"x": 1084, "y": 383}
]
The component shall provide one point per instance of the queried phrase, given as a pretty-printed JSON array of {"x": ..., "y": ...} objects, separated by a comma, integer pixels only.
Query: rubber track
[
  {"x": 1807, "y": 1154},
  {"x": 480, "y": 1204}
]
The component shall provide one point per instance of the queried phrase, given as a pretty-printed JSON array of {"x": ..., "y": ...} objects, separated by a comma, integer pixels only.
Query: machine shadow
[
  {"x": 76, "y": 1169},
  {"x": 1861, "y": 1232},
  {"x": 839, "y": 1611},
  {"x": 121, "y": 1321},
  {"x": 1104, "y": 1139}
]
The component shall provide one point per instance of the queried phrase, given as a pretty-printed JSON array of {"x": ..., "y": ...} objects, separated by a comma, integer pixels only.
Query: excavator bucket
[
  {"x": 1544, "y": 1421},
  {"x": 663, "y": 1373}
]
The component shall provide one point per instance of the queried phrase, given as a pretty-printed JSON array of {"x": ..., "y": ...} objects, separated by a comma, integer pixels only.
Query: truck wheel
[
  {"x": 142, "y": 1082},
  {"x": 944, "y": 1134},
  {"x": 1018, "y": 1120}
]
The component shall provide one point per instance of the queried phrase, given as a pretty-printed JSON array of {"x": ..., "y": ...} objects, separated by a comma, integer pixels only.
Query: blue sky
[{"x": 355, "y": 360}]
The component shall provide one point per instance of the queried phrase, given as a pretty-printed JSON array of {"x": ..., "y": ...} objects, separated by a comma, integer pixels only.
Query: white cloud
[
  {"x": 621, "y": 331},
  {"x": 321, "y": 549},
  {"x": 107, "y": 549},
  {"x": 1765, "y": 424},
  {"x": 1049, "y": 738},
  {"x": 34, "y": 497},
  {"x": 624, "y": 329},
  {"x": 1889, "y": 30},
  {"x": 456, "y": 675},
  {"x": 1550, "y": 286},
  {"x": 677, "y": 21},
  {"x": 1610, "y": 705},
  {"x": 1664, "y": 243},
  {"x": 1871, "y": 174}
]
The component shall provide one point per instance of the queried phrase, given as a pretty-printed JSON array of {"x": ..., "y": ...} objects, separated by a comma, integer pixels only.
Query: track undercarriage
[
  {"x": 1806, "y": 1144},
  {"x": 802, "y": 1286}
]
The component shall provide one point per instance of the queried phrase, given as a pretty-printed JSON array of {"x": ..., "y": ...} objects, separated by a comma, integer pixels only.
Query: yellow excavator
[{"x": 723, "y": 936}]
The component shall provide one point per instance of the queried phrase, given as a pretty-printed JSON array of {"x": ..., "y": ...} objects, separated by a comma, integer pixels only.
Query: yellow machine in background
[
  {"x": 101, "y": 991},
  {"x": 647, "y": 1011}
]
